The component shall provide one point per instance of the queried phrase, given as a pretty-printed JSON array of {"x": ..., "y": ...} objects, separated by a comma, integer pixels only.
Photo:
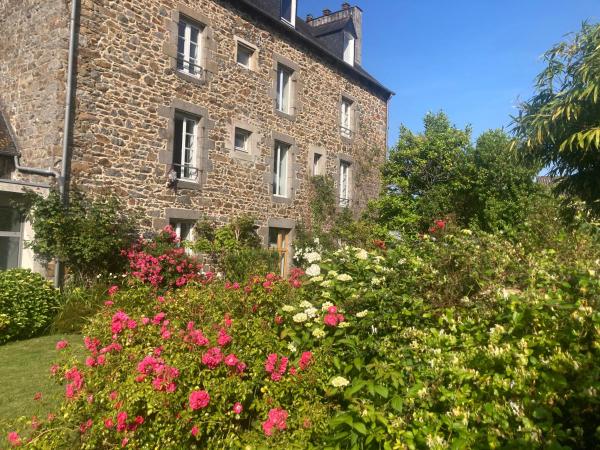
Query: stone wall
[
  {"x": 33, "y": 62},
  {"x": 127, "y": 85}
]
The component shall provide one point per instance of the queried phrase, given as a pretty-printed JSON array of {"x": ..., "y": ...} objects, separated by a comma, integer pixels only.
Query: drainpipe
[{"x": 63, "y": 180}]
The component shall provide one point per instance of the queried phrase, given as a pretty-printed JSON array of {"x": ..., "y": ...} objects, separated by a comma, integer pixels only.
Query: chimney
[
  {"x": 326, "y": 12},
  {"x": 345, "y": 6},
  {"x": 309, "y": 18}
]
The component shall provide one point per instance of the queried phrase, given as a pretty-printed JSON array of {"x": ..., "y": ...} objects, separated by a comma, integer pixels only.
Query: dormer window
[
  {"x": 349, "y": 49},
  {"x": 288, "y": 11}
]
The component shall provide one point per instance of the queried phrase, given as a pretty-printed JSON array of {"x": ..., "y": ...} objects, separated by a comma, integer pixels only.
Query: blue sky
[{"x": 472, "y": 58}]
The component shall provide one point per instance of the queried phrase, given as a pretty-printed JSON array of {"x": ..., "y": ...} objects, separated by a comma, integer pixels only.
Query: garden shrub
[{"x": 27, "y": 304}]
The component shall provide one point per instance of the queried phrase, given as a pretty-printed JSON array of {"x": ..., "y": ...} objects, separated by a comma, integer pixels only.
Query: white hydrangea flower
[
  {"x": 300, "y": 317},
  {"x": 326, "y": 294},
  {"x": 288, "y": 308},
  {"x": 332, "y": 274},
  {"x": 344, "y": 277},
  {"x": 326, "y": 283},
  {"x": 317, "y": 279},
  {"x": 362, "y": 254},
  {"x": 362, "y": 313},
  {"x": 319, "y": 333},
  {"x": 326, "y": 306},
  {"x": 339, "y": 382},
  {"x": 305, "y": 304},
  {"x": 312, "y": 257},
  {"x": 376, "y": 281},
  {"x": 313, "y": 271},
  {"x": 291, "y": 347},
  {"x": 311, "y": 312},
  {"x": 344, "y": 325}
]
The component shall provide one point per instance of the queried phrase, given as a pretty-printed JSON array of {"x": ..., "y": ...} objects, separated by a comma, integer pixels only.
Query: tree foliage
[
  {"x": 560, "y": 124},
  {"x": 87, "y": 236},
  {"x": 439, "y": 174}
]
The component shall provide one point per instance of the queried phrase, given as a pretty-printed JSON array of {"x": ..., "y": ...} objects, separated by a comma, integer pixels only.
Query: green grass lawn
[{"x": 24, "y": 371}]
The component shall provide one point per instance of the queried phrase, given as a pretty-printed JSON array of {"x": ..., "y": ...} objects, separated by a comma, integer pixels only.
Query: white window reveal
[
  {"x": 244, "y": 55},
  {"x": 242, "y": 140},
  {"x": 10, "y": 238},
  {"x": 344, "y": 184},
  {"x": 317, "y": 164},
  {"x": 349, "y": 48},
  {"x": 185, "y": 147},
  {"x": 280, "y": 169},
  {"x": 288, "y": 12},
  {"x": 284, "y": 88},
  {"x": 188, "y": 48},
  {"x": 346, "y": 114}
]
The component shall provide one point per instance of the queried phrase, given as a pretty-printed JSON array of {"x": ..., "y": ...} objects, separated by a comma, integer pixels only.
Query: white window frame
[
  {"x": 293, "y": 10},
  {"x": 344, "y": 188},
  {"x": 178, "y": 225},
  {"x": 186, "y": 57},
  {"x": 248, "y": 137},
  {"x": 346, "y": 114},
  {"x": 281, "y": 157},
  {"x": 317, "y": 164},
  {"x": 349, "y": 46},
  {"x": 19, "y": 236},
  {"x": 284, "y": 92},
  {"x": 188, "y": 167}
]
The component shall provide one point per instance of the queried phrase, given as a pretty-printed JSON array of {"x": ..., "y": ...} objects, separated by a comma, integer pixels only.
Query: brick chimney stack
[
  {"x": 326, "y": 12},
  {"x": 309, "y": 18}
]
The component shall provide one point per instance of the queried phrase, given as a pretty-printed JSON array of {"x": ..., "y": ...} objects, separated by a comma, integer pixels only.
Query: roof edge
[{"x": 293, "y": 32}]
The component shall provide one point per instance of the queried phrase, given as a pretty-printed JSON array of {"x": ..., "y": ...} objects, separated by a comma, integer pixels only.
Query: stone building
[{"x": 187, "y": 109}]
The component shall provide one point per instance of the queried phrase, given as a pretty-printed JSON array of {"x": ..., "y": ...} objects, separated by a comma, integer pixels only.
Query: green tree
[
  {"x": 87, "y": 236},
  {"x": 560, "y": 124},
  {"x": 422, "y": 172},
  {"x": 496, "y": 186}
]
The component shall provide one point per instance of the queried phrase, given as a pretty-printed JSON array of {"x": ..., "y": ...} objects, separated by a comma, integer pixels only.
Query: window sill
[
  {"x": 285, "y": 115},
  {"x": 279, "y": 199},
  {"x": 188, "y": 184},
  {"x": 198, "y": 80}
]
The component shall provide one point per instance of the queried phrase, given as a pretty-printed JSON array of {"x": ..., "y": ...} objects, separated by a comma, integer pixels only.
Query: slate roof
[
  {"x": 7, "y": 145},
  {"x": 269, "y": 9},
  {"x": 332, "y": 27}
]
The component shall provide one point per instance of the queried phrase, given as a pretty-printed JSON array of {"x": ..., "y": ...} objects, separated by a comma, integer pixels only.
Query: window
[
  {"x": 10, "y": 238},
  {"x": 288, "y": 11},
  {"x": 280, "y": 169},
  {"x": 244, "y": 55},
  {"x": 284, "y": 88},
  {"x": 188, "y": 48},
  {"x": 344, "y": 184},
  {"x": 346, "y": 114},
  {"x": 317, "y": 163},
  {"x": 349, "y": 49},
  {"x": 242, "y": 140},
  {"x": 279, "y": 242},
  {"x": 184, "y": 230},
  {"x": 184, "y": 147}
]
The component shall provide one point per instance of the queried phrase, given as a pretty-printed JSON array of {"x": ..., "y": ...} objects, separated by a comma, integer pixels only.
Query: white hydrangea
[
  {"x": 300, "y": 317},
  {"x": 319, "y": 333},
  {"x": 317, "y": 279},
  {"x": 362, "y": 254},
  {"x": 362, "y": 313},
  {"x": 326, "y": 283},
  {"x": 288, "y": 308},
  {"x": 344, "y": 277},
  {"x": 344, "y": 325},
  {"x": 305, "y": 304},
  {"x": 339, "y": 382},
  {"x": 311, "y": 312},
  {"x": 291, "y": 347},
  {"x": 312, "y": 257},
  {"x": 326, "y": 294},
  {"x": 313, "y": 271}
]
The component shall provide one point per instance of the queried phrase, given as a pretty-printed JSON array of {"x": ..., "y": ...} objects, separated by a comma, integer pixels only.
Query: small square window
[
  {"x": 242, "y": 140},
  {"x": 244, "y": 55}
]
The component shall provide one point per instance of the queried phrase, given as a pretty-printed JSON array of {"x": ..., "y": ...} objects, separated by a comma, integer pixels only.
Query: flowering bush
[{"x": 163, "y": 262}]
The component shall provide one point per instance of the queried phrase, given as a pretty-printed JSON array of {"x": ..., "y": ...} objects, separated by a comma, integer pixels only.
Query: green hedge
[{"x": 27, "y": 304}]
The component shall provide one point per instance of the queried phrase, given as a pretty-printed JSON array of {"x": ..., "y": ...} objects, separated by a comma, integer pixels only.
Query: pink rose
[
  {"x": 61, "y": 344},
  {"x": 14, "y": 439},
  {"x": 199, "y": 400},
  {"x": 195, "y": 431},
  {"x": 237, "y": 408}
]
